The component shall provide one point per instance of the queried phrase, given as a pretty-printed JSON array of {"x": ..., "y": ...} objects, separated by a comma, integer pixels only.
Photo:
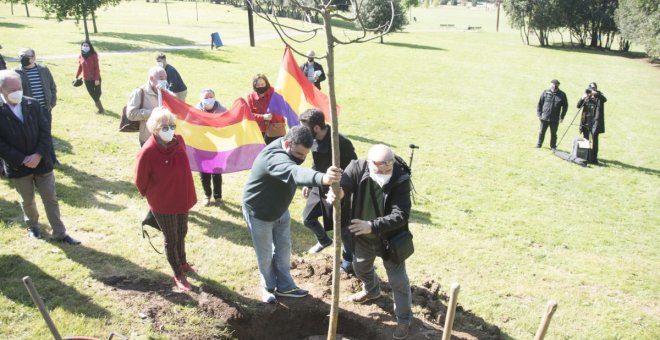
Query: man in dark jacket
[
  {"x": 38, "y": 83},
  {"x": 313, "y": 70},
  {"x": 25, "y": 144},
  {"x": 592, "y": 122},
  {"x": 274, "y": 178},
  {"x": 176, "y": 84},
  {"x": 316, "y": 206},
  {"x": 551, "y": 110},
  {"x": 376, "y": 206}
]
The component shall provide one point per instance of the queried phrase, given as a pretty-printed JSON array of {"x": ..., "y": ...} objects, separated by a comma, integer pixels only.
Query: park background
[{"x": 513, "y": 224}]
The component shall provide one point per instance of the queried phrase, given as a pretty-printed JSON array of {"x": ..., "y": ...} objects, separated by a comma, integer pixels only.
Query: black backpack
[{"x": 407, "y": 170}]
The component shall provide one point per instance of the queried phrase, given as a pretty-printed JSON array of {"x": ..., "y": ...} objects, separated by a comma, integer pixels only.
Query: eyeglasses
[
  {"x": 388, "y": 162},
  {"x": 168, "y": 127}
]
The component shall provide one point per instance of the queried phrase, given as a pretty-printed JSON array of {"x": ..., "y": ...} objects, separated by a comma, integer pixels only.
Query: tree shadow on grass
[
  {"x": 62, "y": 146},
  {"x": 114, "y": 46},
  {"x": 12, "y": 25},
  {"x": 54, "y": 293},
  {"x": 595, "y": 50},
  {"x": 367, "y": 140},
  {"x": 111, "y": 113},
  {"x": 87, "y": 187},
  {"x": 613, "y": 163},
  {"x": 343, "y": 24},
  {"x": 422, "y": 217},
  {"x": 6, "y": 207},
  {"x": 217, "y": 228},
  {"x": 199, "y": 54},
  {"x": 148, "y": 38},
  {"x": 415, "y": 46}
]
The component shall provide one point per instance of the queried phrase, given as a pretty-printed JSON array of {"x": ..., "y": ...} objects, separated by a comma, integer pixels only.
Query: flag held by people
[{"x": 217, "y": 142}]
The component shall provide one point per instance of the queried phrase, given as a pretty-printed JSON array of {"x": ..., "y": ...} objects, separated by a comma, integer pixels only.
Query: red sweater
[
  {"x": 259, "y": 105},
  {"x": 163, "y": 175},
  {"x": 89, "y": 67}
]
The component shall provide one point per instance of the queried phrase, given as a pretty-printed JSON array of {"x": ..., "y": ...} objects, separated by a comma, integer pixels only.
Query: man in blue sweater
[{"x": 275, "y": 176}]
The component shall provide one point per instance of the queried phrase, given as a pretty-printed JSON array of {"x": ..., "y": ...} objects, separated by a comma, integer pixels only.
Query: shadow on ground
[
  {"x": 414, "y": 46},
  {"x": 54, "y": 293},
  {"x": 617, "y": 164},
  {"x": 148, "y": 38},
  {"x": 87, "y": 188}
]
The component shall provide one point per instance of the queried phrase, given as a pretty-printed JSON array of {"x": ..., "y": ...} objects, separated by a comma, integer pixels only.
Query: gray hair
[
  {"x": 204, "y": 92},
  {"x": 160, "y": 116},
  {"x": 7, "y": 74},
  {"x": 155, "y": 70},
  {"x": 25, "y": 51}
]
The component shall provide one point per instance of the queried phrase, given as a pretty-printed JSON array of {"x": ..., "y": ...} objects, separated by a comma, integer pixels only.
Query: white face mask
[
  {"x": 85, "y": 49},
  {"x": 160, "y": 63},
  {"x": 166, "y": 136},
  {"x": 380, "y": 179},
  {"x": 208, "y": 103},
  {"x": 15, "y": 97},
  {"x": 163, "y": 84}
]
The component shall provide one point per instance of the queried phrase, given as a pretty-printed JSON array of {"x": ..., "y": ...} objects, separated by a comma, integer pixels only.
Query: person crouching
[{"x": 163, "y": 176}]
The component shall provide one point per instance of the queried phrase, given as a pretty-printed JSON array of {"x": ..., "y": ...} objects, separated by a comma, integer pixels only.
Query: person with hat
[
  {"x": 313, "y": 70},
  {"x": 592, "y": 122},
  {"x": 551, "y": 110},
  {"x": 175, "y": 82}
]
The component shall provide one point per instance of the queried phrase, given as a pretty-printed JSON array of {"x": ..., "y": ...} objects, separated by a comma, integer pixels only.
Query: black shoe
[
  {"x": 34, "y": 233},
  {"x": 70, "y": 240}
]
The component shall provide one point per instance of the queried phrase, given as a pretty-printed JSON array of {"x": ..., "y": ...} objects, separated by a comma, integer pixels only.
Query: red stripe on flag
[{"x": 238, "y": 112}]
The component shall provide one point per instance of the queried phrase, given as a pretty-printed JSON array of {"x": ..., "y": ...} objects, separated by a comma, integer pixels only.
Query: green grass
[{"x": 514, "y": 225}]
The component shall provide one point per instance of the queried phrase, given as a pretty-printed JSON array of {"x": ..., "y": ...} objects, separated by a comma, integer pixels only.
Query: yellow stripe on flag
[{"x": 209, "y": 138}]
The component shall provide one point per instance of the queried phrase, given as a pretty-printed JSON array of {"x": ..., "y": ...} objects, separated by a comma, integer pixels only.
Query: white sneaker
[
  {"x": 207, "y": 201},
  {"x": 268, "y": 295},
  {"x": 315, "y": 249}
]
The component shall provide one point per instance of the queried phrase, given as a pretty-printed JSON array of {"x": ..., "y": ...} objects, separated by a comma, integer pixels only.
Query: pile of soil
[{"x": 304, "y": 318}]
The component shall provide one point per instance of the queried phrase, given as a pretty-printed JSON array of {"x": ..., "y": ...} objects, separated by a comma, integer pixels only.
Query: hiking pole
[
  {"x": 42, "y": 308},
  {"x": 569, "y": 126},
  {"x": 545, "y": 321}
]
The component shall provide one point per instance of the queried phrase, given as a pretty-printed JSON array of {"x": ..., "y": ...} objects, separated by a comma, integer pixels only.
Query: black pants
[
  {"x": 316, "y": 207},
  {"x": 217, "y": 184},
  {"x": 553, "y": 133},
  {"x": 593, "y": 155},
  {"x": 49, "y": 118},
  {"x": 93, "y": 90}
]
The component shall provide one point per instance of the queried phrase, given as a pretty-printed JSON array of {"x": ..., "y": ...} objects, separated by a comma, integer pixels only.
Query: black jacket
[
  {"x": 552, "y": 105},
  {"x": 593, "y": 114},
  {"x": 317, "y": 67},
  {"x": 20, "y": 139},
  {"x": 396, "y": 198},
  {"x": 322, "y": 152}
]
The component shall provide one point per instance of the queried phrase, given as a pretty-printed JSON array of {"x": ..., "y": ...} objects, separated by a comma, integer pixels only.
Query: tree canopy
[
  {"x": 639, "y": 21},
  {"x": 378, "y": 13},
  {"x": 76, "y": 9}
]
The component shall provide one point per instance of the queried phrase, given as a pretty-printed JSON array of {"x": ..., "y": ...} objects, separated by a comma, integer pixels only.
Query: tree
[
  {"x": 378, "y": 13},
  {"x": 639, "y": 21},
  {"x": 77, "y": 9},
  {"x": 410, "y": 4},
  {"x": 327, "y": 10}
]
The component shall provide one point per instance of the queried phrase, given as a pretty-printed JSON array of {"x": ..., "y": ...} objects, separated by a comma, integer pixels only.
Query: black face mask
[
  {"x": 296, "y": 160},
  {"x": 25, "y": 61},
  {"x": 261, "y": 90},
  {"x": 311, "y": 60}
]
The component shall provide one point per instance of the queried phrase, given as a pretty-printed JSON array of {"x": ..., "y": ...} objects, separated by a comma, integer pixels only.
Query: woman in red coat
[
  {"x": 163, "y": 176},
  {"x": 272, "y": 126},
  {"x": 88, "y": 65}
]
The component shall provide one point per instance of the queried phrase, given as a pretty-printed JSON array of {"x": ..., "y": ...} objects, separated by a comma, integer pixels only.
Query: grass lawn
[{"x": 514, "y": 225}]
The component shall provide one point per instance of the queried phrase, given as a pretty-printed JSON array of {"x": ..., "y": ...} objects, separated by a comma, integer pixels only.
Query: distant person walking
[
  {"x": 551, "y": 110},
  {"x": 88, "y": 65},
  {"x": 175, "y": 82},
  {"x": 209, "y": 104},
  {"x": 163, "y": 176},
  {"x": 38, "y": 83},
  {"x": 592, "y": 122}
]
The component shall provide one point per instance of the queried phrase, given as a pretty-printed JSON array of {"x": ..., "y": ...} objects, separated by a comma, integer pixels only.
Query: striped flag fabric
[
  {"x": 217, "y": 143},
  {"x": 294, "y": 93}
]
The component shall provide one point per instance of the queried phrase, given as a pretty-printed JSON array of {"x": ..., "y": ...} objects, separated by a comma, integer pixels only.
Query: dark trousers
[
  {"x": 553, "y": 133},
  {"x": 217, "y": 184},
  {"x": 593, "y": 155},
  {"x": 93, "y": 90},
  {"x": 49, "y": 118},
  {"x": 174, "y": 228},
  {"x": 315, "y": 208}
]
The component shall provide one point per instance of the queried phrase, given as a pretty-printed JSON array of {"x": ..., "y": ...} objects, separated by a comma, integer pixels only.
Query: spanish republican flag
[
  {"x": 294, "y": 93},
  {"x": 217, "y": 143}
]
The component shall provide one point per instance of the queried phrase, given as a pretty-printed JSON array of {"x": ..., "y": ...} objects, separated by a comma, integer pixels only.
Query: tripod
[{"x": 569, "y": 126}]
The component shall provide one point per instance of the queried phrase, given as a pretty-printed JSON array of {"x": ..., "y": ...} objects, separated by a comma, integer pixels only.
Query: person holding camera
[
  {"x": 592, "y": 122},
  {"x": 551, "y": 110},
  {"x": 313, "y": 70}
]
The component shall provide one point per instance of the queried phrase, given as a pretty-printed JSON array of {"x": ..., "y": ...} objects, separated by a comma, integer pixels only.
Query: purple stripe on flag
[
  {"x": 213, "y": 162},
  {"x": 279, "y": 106}
]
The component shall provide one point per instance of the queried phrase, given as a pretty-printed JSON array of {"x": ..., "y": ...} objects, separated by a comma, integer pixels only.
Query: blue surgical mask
[{"x": 208, "y": 103}]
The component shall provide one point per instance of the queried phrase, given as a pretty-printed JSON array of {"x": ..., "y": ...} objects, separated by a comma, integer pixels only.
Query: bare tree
[{"x": 290, "y": 36}]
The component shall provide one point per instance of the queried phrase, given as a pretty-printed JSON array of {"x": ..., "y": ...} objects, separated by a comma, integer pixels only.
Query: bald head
[{"x": 380, "y": 153}]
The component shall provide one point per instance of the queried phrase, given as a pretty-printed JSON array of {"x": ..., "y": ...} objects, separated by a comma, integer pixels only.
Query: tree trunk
[
  {"x": 381, "y": 39},
  {"x": 94, "y": 22},
  {"x": 248, "y": 3},
  {"x": 336, "y": 275},
  {"x": 85, "y": 26},
  {"x": 12, "y": 8},
  {"x": 27, "y": 11}
]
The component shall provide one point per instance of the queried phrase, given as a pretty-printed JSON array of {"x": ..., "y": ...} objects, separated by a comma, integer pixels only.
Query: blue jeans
[{"x": 272, "y": 244}]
